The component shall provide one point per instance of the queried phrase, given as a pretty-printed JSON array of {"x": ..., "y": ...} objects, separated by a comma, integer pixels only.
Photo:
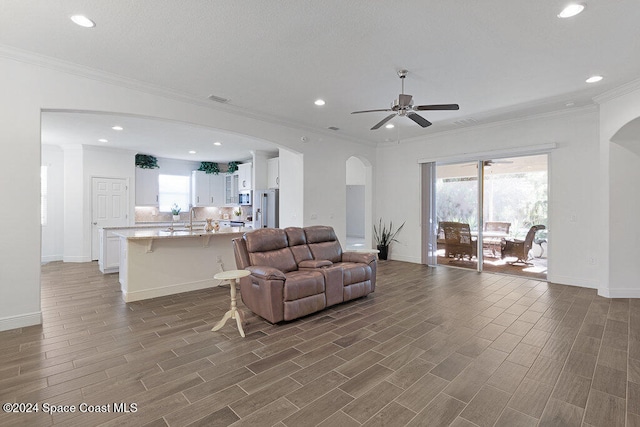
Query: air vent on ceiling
[
  {"x": 218, "y": 99},
  {"x": 333, "y": 128},
  {"x": 466, "y": 122}
]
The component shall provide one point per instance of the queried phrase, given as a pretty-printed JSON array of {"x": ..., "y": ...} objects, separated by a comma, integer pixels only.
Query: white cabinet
[
  {"x": 244, "y": 176},
  {"x": 273, "y": 173},
  {"x": 207, "y": 189},
  {"x": 109, "y": 259},
  {"x": 147, "y": 187},
  {"x": 231, "y": 189},
  {"x": 216, "y": 190}
]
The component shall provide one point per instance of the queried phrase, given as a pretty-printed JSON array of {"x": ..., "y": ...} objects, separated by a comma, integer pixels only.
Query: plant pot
[
  {"x": 384, "y": 251},
  {"x": 176, "y": 217}
]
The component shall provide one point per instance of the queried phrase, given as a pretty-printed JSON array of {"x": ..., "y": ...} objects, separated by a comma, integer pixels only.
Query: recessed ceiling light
[
  {"x": 390, "y": 126},
  {"x": 593, "y": 79},
  {"x": 570, "y": 104},
  {"x": 117, "y": 127},
  {"x": 192, "y": 152},
  {"x": 83, "y": 21},
  {"x": 319, "y": 102},
  {"x": 218, "y": 143},
  {"x": 571, "y": 10},
  {"x": 103, "y": 140}
]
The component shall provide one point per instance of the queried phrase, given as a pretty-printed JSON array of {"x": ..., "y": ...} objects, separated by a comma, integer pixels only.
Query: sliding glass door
[{"x": 491, "y": 215}]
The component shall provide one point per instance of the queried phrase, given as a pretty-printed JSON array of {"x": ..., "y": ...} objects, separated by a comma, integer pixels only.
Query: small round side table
[{"x": 233, "y": 276}]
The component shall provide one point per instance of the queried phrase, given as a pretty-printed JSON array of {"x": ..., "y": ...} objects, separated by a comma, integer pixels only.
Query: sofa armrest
[
  {"x": 363, "y": 257},
  {"x": 266, "y": 273},
  {"x": 314, "y": 263}
]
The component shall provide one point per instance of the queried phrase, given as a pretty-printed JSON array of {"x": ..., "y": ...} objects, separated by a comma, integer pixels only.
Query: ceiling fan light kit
[{"x": 403, "y": 106}]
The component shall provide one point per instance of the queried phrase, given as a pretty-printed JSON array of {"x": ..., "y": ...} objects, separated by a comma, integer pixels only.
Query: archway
[{"x": 358, "y": 203}]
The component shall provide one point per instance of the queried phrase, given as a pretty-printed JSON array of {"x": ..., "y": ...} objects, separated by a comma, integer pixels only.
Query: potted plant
[
  {"x": 238, "y": 212},
  {"x": 175, "y": 211},
  {"x": 384, "y": 236}
]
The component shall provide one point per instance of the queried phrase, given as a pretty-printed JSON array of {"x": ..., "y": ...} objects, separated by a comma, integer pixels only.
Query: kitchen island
[{"x": 158, "y": 262}]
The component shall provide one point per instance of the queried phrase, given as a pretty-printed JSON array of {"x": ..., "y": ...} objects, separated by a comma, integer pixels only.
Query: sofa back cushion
[
  {"x": 270, "y": 247},
  {"x": 298, "y": 244},
  {"x": 323, "y": 243}
]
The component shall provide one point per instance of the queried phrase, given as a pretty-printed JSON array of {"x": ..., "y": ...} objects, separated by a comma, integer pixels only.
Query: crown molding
[
  {"x": 490, "y": 125},
  {"x": 140, "y": 86},
  {"x": 618, "y": 92}
]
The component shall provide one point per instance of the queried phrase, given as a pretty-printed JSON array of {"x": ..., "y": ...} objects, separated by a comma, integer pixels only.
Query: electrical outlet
[
  {"x": 219, "y": 258},
  {"x": 314, "y": 216},
  {"x": 591, "y": 261}
]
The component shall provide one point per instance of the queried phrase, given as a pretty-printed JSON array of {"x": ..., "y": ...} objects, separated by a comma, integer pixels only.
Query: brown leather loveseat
[{"x": 298, "y": 271}]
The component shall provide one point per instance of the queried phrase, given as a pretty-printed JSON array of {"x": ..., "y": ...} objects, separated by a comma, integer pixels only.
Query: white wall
[
  {"x": 53, "y": 231},
  {"x": 356, "y": 180},
  {"x": 291, "y": 185},
  {"x": 356, "y": 174},
  {"x": 28, "y": 88},
  {"x": 572, "y": 174},
  {"x": 355, "y": 210},
  {"x": 621, "y": 205}
]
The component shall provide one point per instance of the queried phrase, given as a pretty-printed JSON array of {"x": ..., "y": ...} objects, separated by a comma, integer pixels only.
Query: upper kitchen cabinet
[
  {"x": 207, "y": 189},
  {"x": 147, "y": 187},
  {"x": 244, "y": 176},
  {"x": 273, "y": 173},
  {"x": 231, "y": 189}
]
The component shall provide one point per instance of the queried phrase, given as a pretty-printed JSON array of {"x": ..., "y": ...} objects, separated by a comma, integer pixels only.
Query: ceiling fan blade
[
  {"x": 404, "y": 100},
  {"x": 437, "y": 107},
  {"x": 419, "y": 119},
  {"x": 370, "y": 111},
  {"x": 383, "y": 121}
]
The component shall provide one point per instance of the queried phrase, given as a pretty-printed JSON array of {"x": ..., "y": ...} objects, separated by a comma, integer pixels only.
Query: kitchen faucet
[{"x": 191, "y": 215}]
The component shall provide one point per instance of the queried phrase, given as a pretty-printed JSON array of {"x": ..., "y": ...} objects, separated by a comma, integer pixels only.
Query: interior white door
[{"x": 109, "y": 207}]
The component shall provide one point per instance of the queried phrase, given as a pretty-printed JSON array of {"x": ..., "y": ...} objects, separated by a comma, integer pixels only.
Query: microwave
[{"x": 244, "y": 198}]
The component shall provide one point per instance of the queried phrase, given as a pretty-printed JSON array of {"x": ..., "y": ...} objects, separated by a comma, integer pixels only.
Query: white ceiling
[
  {"x": 160, "y": 138},
  {"x": 497, "y": 59}
]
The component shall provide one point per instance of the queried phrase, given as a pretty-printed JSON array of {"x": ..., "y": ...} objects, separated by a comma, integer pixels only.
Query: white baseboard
[
  {"x": 619, "y": 293},
  {"x": 572, "y": 281},
  {"x": 76, "y": 259},
  {"x": 50, "y": 258},
  {"x": 168, "y": 290},
  {"x": 20, "y": 321},
  {"x": 411, "y": 259}
]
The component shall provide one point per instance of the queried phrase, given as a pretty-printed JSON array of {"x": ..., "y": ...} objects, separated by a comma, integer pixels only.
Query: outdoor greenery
[
  {"x": 144, "y": 161},
  {"x": 518, "y": 198},
  {"x": 209, "y": 167}
]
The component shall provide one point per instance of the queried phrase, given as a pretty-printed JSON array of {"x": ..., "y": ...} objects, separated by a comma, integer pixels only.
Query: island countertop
[{"x": 164, "y": 233}]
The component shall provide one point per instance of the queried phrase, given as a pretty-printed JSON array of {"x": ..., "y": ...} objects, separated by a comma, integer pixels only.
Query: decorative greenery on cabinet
[
  {"x": 233, "y": 166},
  {"x": 209, "y": 167},
  {"x": 144, "y": 161}
]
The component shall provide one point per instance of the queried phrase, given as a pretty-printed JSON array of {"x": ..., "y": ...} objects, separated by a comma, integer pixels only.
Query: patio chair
[
  {"x": 520, "y": 248},
  {"x": 458, "y": 242}
]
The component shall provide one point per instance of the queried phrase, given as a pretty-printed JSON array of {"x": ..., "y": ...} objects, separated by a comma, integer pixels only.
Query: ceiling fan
[{"x": 403, "y": 106}]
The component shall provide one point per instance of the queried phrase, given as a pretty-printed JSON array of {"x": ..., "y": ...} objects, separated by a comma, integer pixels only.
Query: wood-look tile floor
[{"x": 430, "y": 347}]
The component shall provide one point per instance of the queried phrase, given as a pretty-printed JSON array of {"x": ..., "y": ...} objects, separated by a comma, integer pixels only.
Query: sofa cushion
[
  {"x": 303, "y": 283},
  {"x": 298, "y": 244},
  {"x": 323, "y": 243},
  {"x": 354, "y": 273},
  {"x": 270, "y": 247},
  {"x": 282, "y": 259}
]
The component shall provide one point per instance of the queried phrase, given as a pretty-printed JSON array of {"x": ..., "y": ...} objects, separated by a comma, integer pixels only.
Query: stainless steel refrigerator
[{"x": 267, "y": 210}]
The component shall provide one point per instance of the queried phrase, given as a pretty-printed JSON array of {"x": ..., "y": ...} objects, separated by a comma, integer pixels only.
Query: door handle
[{"x": 95, "y": 223}]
